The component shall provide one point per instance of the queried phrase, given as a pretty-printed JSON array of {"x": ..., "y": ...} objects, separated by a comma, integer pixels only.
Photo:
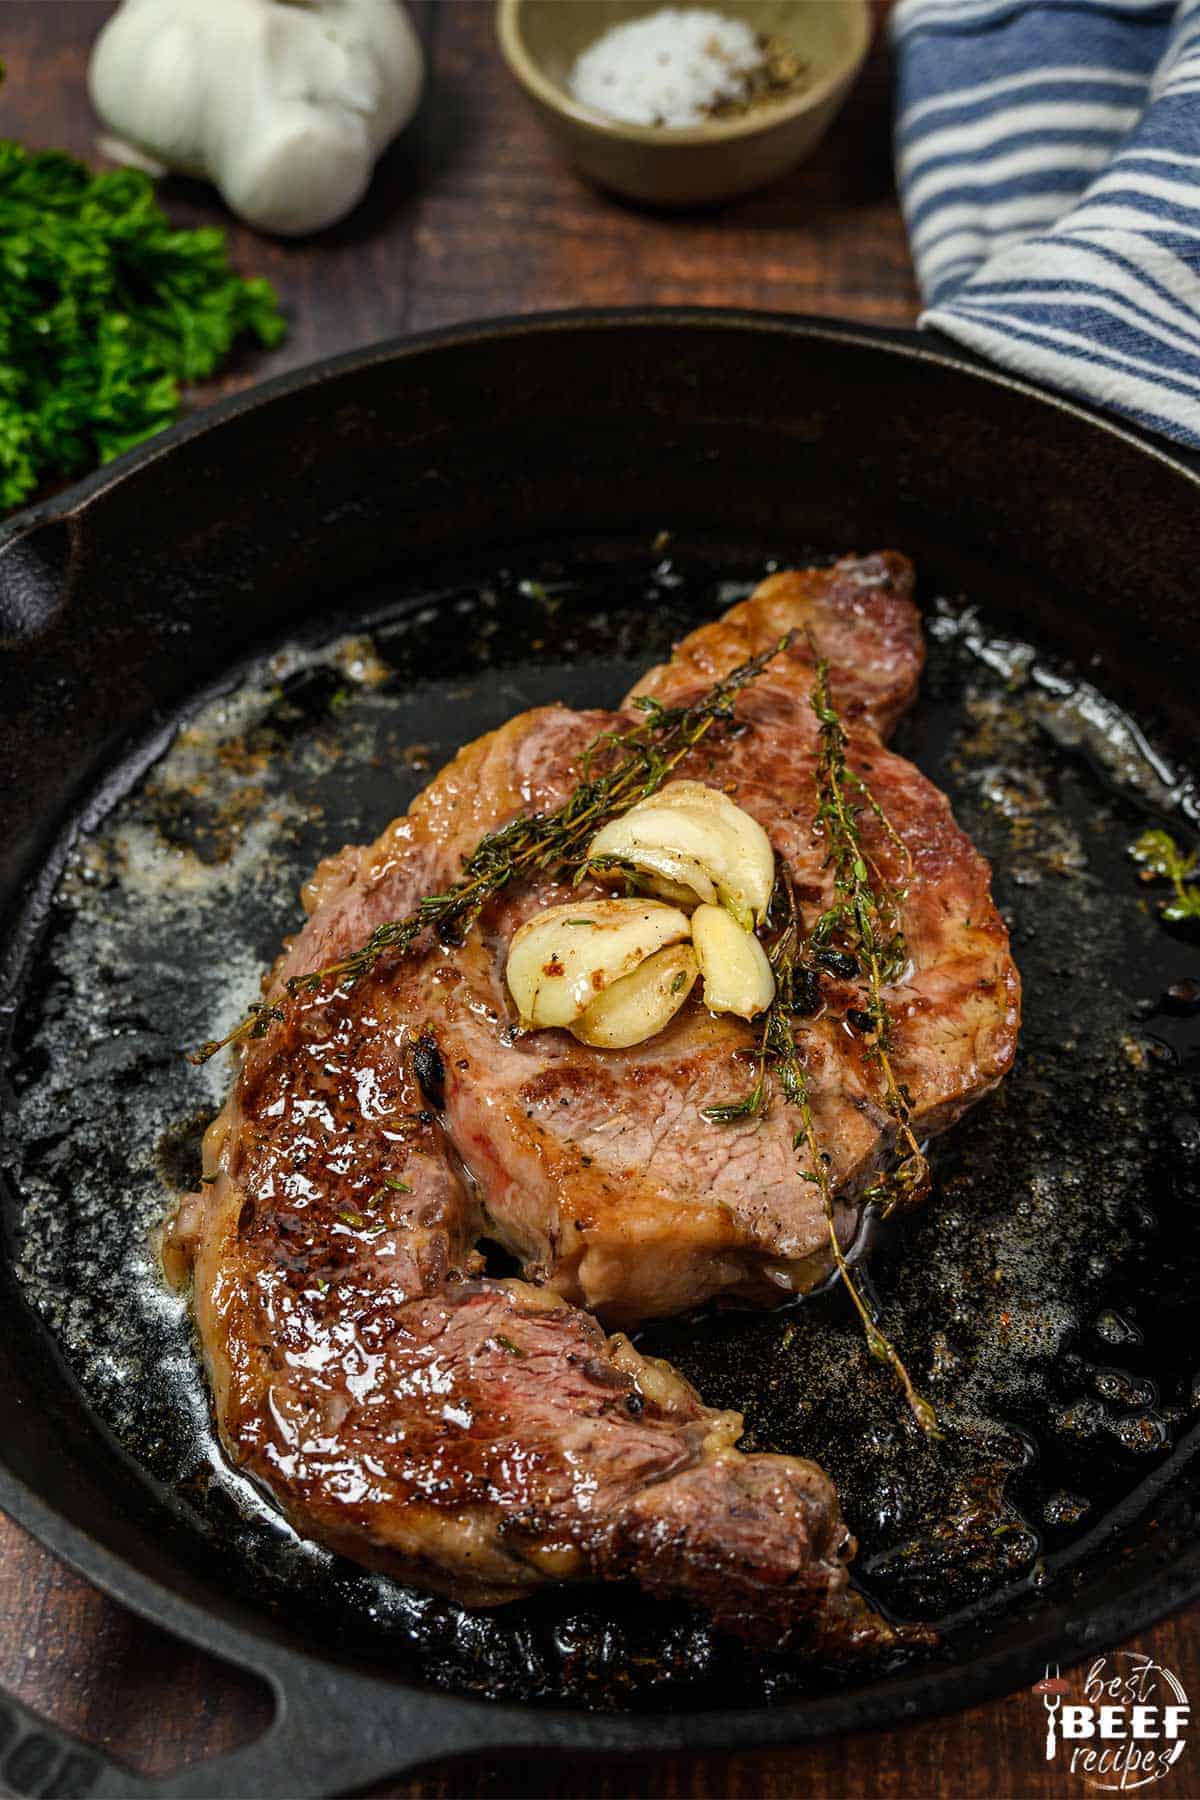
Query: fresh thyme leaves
[
  {"x": 1162, "y": 859},
  {"x": 864, "y": 923},
  {"x": 506, "y": 1343},
  {"x": 618, "y": 770},
  {"x": 879, "y": 1345},
  {"x": 752, "y": 1103},
  {"x": 858, "y": 935},
  {"x": 779, "y": 1060},
  {"x": 258, "y": 1020},
  {"x": 105, "y": 311}
]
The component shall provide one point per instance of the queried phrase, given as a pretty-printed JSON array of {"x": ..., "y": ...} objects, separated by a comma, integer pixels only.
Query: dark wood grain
[{"x": 471, "y": 214}]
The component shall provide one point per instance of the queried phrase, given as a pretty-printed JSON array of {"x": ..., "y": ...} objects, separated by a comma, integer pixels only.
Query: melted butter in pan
[{"x": 1042, "y": 1297}]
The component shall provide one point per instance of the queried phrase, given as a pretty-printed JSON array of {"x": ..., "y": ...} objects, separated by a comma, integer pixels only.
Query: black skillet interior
[{"x": 351, "y": 573}]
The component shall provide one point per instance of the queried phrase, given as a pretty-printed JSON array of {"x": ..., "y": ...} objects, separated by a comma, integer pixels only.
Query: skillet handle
[
  {"x": 37, "y": 1758},
  {"x": 331, "y": 1733}
]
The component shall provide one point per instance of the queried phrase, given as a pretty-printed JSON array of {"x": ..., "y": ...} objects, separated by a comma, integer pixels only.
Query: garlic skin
[
  {"x": 284, "y": 104},
  {"x": 562, "y": 959},
  {"x": 640, "y": 1005},
  {"x": 737, "y": 975},
  {"x": 695, "y": 845}
]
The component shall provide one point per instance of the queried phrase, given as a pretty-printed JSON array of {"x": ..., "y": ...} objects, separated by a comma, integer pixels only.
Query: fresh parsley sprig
[{"x": 105, "y": 311}]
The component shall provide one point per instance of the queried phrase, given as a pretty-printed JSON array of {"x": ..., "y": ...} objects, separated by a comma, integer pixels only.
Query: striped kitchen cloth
[{"x": 1048, "y": 157}]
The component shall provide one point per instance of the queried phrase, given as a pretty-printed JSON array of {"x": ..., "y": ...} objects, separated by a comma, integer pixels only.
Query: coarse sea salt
[{"x": 671, "y": 68}]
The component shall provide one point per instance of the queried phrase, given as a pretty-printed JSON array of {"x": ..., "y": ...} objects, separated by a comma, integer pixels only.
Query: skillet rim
[
  {"x": 927, "y": 1691},
  {"x": 903, "y": 341}
]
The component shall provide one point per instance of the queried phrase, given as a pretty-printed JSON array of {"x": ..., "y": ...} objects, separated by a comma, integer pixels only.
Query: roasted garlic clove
[
  {"x": 745, "y": 875},
  {"x": 639, "y": 1005},
  {"x": 672, "y": 874},
  {"x": 737, "y": 975},
  {"x": 562, "y": 959},
  {"x": 690, "y": 839}
]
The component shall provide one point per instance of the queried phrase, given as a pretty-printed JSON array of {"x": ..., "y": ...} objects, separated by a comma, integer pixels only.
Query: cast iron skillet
[{"x": 127, "y": 596}]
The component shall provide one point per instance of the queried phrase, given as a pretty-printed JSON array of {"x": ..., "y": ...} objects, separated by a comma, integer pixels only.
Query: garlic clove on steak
[
  {"x": 563, "y": 958},
  {"x": 747, "y": 875},
  {"x": 639, "y": 1005},
  {"x": 692, "y": 839},
  {"x": 672, "y": 874},
  {"x": 737, "y": 975}
]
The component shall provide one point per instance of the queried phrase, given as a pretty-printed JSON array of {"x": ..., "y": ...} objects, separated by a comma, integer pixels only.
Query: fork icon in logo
[
  {"x": 1052, "y": 1688},
  {"x": 1051, "y": 1702}
]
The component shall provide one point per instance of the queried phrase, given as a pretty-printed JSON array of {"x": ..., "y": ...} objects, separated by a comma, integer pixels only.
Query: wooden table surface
[{"x": 472, "y": 214}]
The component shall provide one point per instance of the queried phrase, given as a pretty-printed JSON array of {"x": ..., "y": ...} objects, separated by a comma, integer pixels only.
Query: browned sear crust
[{"x": 481, "y": 1437}]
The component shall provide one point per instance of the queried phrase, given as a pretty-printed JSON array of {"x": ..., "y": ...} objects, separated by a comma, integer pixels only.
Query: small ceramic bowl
[{"x": 694, "y": 164}]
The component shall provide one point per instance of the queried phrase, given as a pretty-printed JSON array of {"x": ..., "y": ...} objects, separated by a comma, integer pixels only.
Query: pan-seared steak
[
  {"x": 482, "y": 1436},
  {"x": 476, "y": 1437}
]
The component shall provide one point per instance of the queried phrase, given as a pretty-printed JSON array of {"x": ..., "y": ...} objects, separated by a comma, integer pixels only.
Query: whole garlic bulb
[{"x": 284, "y": 104}]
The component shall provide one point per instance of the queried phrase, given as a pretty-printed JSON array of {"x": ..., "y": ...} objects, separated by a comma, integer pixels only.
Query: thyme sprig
[
  {"x": 617, "y": 771},
  {"x": 864, "y": 922},
  {"x": 879, "y": 1346},
  {"x": 863, "y": 925},
  {"x": 779, "y": 1060}
]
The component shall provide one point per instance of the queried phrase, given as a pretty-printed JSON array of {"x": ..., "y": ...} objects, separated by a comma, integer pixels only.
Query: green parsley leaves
[{"x": 104, "y": 311}]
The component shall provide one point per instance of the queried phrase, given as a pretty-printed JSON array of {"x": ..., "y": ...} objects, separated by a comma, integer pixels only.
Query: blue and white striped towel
[{"x": 1048, "y": 155}]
